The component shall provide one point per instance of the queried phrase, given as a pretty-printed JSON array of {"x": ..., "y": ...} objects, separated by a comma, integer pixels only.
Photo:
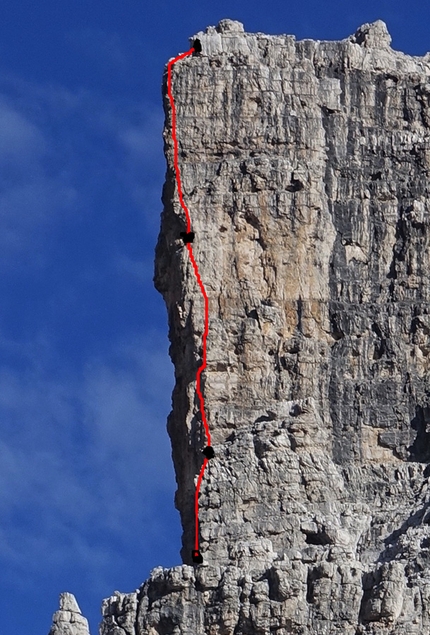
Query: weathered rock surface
[
  {"x": 305, "y": 167},
  {"x": 69, "y": 620}
]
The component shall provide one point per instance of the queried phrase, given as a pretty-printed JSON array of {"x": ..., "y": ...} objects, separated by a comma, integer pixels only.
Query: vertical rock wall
[{"x": 305, "y": 168}]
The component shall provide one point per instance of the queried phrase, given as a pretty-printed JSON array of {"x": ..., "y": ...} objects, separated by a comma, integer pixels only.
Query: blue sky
[{"x": 86, "y": 481}]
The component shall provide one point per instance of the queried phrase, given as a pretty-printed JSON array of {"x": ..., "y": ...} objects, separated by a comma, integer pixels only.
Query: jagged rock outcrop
[
  {"x": 69, "y": 619},
  {"x": 305, "y": 168}
]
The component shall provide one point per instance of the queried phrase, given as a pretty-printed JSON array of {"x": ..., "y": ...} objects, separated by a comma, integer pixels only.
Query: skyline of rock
[{"x": 304, "y": 165}]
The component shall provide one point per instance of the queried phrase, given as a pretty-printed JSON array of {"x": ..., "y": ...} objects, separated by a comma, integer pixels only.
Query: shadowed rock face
[{"x": 305, "y": 169}]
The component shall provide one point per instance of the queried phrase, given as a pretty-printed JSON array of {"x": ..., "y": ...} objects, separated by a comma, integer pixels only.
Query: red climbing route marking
[{"x": 199, "y": 280}]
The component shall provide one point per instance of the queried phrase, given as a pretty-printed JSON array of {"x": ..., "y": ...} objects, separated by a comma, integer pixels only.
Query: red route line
[{"x": 199, "y": 280}]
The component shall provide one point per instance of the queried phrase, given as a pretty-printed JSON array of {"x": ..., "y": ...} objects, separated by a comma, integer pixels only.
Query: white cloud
[
  {"x": 83, "y": 455},
  {"x": 89, "y": 453},
  {"x": 32, "y": 196},
  {"x": 60, "y": 148},
  {"x": 144, "y": 141},
  {"x": 21, "y": 142},
  {"x": 144, "y": 156},
  {"x": 142, "y": 270}
]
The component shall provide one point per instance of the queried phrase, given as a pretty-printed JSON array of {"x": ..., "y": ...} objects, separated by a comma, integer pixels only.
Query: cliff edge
[{"x": 305, "y": 168}]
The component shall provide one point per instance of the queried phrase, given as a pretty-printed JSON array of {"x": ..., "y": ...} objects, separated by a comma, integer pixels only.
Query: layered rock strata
[{"x": 305, "y": 168}]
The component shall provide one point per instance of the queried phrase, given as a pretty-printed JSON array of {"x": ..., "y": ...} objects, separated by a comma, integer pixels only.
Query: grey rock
[
  {"x": 305, "y": 168},
  {"x": 69, "y": 619},
  {"x": 374, "y": 35}
]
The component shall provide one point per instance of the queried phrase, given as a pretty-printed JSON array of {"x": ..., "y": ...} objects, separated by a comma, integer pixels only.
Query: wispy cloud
[
  {"x": 85, "y": 459},
  {"x": 143, "y": 159},
  {"x": 141, "y": 270},
  {"x": 61, "y": 153},
  {"x": 83, "y": 456},
  {"x": 29, "y": 194},
  {"x": 21, "y": 141}
]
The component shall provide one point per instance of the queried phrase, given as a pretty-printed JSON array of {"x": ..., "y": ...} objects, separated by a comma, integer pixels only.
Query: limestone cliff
[{"x": 305, "y": 168}]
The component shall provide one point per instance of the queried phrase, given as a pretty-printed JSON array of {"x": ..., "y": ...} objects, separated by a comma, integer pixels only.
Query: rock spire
[{"x": 69, "y": 619}]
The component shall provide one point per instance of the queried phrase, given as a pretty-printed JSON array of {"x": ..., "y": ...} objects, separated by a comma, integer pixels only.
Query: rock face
[
  {"x": 305, "y": 168},
  {"x": 69, "y": 620}
]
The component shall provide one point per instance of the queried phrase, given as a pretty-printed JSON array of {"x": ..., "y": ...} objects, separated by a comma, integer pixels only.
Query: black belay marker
[
  {"x": 187, "y": 237},
  {"x": 197, "y": 46},
  {"x": 197, "y": 556},
  {"x": 209, "y": 452}
]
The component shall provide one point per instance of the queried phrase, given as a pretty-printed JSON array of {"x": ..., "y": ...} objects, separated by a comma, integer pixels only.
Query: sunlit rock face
[
  {"x": 68, "y": 620},
  {"x": 305, "y": 169}
]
